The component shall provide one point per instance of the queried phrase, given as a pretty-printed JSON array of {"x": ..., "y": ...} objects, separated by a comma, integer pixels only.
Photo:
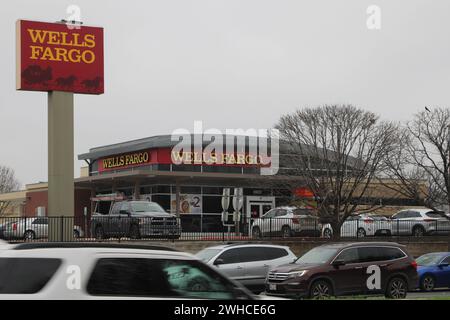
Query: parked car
[
  {"x": 362, "y": 225},
  {"x": 247, "y": 263},
  {"x": 75, "y": 270},
  {"x": 420, "y": 222},
  {"x": 30, "y": 228},
  {"x": 434, "y": 270},
  {"x": 342, "y": 269},
  {"x": 286, "y": 222},
  {"x": 135, "y": 219}
]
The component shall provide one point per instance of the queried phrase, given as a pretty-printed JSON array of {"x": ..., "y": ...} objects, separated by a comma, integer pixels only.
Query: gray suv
[
  {"x": 135, "y": 219},
  {"x": 247, "y": 263}
]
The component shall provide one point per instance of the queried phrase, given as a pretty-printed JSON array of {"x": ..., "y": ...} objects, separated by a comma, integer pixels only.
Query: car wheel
[
  {"x": 320, "y": 289},
  {"x": 256, "y": 233},
  {"x": 286, "y": 232},
  {"x": 397, "y": 289},
  {"x": 327, "y": 233},
  {"x": 361, "y": 233},
  {"x": 76, "y": 234},
  {"x": 427, "y": 283},
  {"x": 29, "y": 235},
  {"x": 99, "y": 233},
  {"x": 134, "y": 232},
  {"x": 418, "y": 231}
]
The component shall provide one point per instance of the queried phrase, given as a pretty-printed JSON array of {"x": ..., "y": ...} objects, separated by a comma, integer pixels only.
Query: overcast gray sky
[{"x": 229, "y": 63}]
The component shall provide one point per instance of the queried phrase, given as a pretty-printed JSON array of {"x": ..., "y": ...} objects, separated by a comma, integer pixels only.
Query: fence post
[
  {"x": 357, "y": 229},
  {"x": 61, "y": 232},
  {"x": 270, "y": 228}
]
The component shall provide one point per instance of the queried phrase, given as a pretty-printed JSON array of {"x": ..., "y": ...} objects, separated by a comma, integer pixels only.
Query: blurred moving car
[
  {"x": 135, "y": 219},
  {"x": 434, "y": 270},
  {"x": 75, "y": 270},
  {"x": 343, "y": 269},
  {"x": 420, "y": 222},
  {"x": 362, "y": 225},
  {"x": 247, "y": 263},
  {"x": 30, "y": 228},
  {"x": 286, "y": 222}
]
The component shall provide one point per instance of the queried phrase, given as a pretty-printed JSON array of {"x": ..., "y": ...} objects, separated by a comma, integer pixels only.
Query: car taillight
[
  {"x": 295, "y": 220},
  {"x": 414, "y": 264},
  {"x": 368, "y": 221},
  {"x": 14, "y": 226}
]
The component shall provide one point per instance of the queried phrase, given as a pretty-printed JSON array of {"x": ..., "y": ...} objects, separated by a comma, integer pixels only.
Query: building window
[{"x": 212, "y": 204}]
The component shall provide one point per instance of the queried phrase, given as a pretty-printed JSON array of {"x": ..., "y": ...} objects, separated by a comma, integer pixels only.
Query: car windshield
[
  {"x": 318, "y": 255},
  {"x": 146, "y": 207},
  {"x": 429, "y": 259},
  {"x": 207, "y": 254}
]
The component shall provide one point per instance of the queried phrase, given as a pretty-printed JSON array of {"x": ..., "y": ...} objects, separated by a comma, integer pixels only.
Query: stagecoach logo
[{"x": 126, "y": 160}]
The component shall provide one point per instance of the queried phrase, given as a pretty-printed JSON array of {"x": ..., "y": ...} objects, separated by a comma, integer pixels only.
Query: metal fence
[{"x": 125, "y": 228}]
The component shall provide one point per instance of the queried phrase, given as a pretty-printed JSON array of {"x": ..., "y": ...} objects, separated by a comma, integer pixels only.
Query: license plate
[{"x": 272, "y": 287}]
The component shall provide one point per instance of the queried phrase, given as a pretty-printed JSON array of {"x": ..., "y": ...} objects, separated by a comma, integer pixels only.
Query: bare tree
[
  {"x": 8, "y": 183},
  {"x": 422, "y": 157},
  {"x": 338, "y": 152}
]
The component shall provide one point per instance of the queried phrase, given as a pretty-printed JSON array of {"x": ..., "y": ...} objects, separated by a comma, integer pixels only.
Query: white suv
[
  {"x": 106, "y": 271},
  {"x": 362, "y": 225},
  {"x": 286, "y": 222}
]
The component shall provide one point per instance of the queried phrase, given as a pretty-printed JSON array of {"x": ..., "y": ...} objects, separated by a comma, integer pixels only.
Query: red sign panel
[{"x": 60, "y": 57}]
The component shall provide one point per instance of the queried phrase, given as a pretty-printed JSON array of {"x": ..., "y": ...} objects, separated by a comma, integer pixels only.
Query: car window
[
  {"x": 302, "y": 212},
  {"x": 388, "y": 253},
  {"x": 270, "y": 213},
  {"x": 413, "y": 214},
  {"x": 230, "y": 256},
  {"x": 280, "y": 213},
  {"x": 273, "y": 253},
  {"x": 446, "y": 260},
  {"x": 349, "y": 255},
  {"x": 400, "y": 215},
  {"x": 433, "y": 214},
  {"x": 158, "y": 278},
  {"x": 116, "y": 208},
  {"x": 371, "y": 254},
  {"x": 124, "y": 207},
  {"x": 26, "y": 275},
  {"x": 40, "y": 221}
]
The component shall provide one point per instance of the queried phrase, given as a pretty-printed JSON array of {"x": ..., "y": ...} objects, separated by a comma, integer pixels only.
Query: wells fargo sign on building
[
  {"x": 124, "y": 161},
  {"x": 52, "y": 56}
]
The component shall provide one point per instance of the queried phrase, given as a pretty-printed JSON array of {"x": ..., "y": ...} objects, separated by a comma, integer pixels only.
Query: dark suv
[
  {"x": 135, "y": 219},
  {"x": 345, "y": 269}
]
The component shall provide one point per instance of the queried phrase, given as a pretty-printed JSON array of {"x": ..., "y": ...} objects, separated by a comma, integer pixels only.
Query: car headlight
[
  {"x": 143, "y": 220},
  {"x": 296, "y": 274}
]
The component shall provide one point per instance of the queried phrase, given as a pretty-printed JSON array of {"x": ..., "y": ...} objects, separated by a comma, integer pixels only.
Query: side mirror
[
  {"x": 338, "y": 263},
  {"x": 218, "y": 262},
  {"x": 443, "y": 265}
]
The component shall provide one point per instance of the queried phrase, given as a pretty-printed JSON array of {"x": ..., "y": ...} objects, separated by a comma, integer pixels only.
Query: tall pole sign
[{"x": 54, "y": 58}]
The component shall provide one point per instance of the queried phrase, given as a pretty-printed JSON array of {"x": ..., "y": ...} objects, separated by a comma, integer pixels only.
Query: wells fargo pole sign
[{"x": 61, "y": 60}]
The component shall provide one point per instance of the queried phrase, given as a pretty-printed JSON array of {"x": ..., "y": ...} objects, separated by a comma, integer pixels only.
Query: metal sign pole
[{"x": 60, "y": 165}]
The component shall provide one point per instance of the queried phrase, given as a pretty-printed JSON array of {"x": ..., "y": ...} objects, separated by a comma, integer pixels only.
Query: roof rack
[{"x": 75, "y": 245}]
